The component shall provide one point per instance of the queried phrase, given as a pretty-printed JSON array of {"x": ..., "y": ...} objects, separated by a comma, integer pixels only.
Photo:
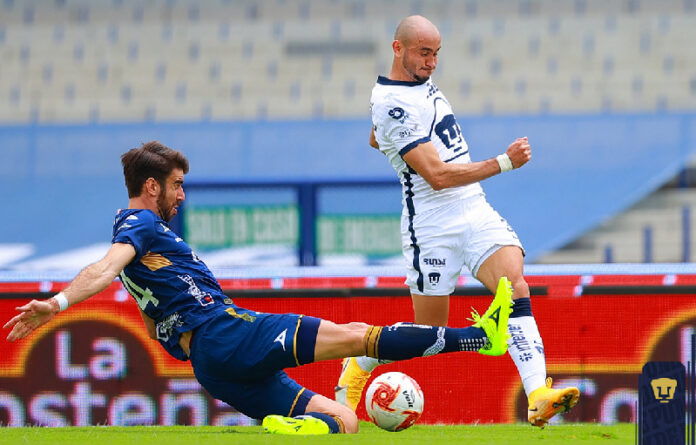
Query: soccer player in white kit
[{"x": 446, "y": 221}]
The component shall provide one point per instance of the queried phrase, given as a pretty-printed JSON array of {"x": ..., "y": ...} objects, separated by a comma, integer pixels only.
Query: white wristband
[
  {"x": 504, "y": 162},
  {"x": 62, "y": 301}
]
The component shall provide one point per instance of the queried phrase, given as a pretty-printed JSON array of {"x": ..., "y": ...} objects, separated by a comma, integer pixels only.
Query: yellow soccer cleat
[
  {"x": 546, "y": 402},
  {"x": 304, "y": 425},
  {"x": 495, "y": 320},
  {"x": 351, "y": 383}
]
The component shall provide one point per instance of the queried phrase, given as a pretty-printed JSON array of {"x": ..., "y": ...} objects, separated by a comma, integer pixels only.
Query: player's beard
[
  {"x": 165, "y": 211},
  {"x": 415, "y": 76}
]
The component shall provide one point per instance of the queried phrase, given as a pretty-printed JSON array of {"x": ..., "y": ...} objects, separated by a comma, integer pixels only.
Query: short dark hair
[{"x": 152, "y": 160}]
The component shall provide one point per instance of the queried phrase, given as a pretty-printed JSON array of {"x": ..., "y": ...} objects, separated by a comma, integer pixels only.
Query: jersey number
[
  {"x": 449, "y": 132},
  {"x": 142, "y": 296}
]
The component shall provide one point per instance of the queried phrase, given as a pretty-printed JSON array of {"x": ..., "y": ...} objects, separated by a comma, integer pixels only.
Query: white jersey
[{"x": 406, "y": 114}]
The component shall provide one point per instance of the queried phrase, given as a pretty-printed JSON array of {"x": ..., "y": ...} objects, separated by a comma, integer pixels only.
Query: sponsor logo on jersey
[
  {"x": 155, "y": 261},
  {"x": 281, "y": 338},
  {"x": 399, "y": 114},
  {"x": 203, "y": 298},
  {"x": 435, "y": 262},
  {"x": 166, "y": 326}
]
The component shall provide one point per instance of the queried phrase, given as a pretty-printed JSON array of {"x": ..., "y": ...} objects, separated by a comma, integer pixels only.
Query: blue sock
[
  {"x": 522, "y": 308},
  {"x": 334, "y": 428},
  {"x": 406, "y": 340}
]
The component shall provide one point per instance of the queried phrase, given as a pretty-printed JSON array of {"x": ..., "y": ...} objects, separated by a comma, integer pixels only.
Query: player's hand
[
  {"x": 520, "y": 152},
  {"x": 32, "y": 315}
]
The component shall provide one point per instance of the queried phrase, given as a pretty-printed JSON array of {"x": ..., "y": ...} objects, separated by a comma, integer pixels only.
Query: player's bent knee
[
  {"x": 348, "y": 418},
  {"x": 350, "y": 421},
  {"x": 358, "y": 326},
  {"x": 339, "y": 340},
  {"x": 354, "y": 334},
  {"x": 354, "y": 331}
]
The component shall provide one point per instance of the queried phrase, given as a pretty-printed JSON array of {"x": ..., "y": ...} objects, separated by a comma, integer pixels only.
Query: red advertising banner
[{"x": 94, "y": 363}]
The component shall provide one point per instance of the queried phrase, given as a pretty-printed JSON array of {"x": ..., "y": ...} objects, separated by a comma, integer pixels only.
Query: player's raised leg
[
  {"x": 432, "y": 310},
  {"x": 406, "y": 340},
  {"x": 356, "y": 371},
  {"x": 526, "y": 347}
]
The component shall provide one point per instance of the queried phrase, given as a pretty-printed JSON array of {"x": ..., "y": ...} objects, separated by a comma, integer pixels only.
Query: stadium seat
[{"x": 588, "y": 46}]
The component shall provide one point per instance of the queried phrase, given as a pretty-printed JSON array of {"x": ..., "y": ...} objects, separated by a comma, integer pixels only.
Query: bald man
[{"x": 446, "y": 223}]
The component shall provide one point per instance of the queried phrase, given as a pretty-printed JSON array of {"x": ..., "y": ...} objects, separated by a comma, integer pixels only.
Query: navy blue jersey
[{"x": 166, "y": 278}]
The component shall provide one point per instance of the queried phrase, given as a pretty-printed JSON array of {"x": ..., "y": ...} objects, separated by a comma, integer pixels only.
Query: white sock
[
  {"x": 527, "y": 351},
  {"x": 368, "y": 364}
]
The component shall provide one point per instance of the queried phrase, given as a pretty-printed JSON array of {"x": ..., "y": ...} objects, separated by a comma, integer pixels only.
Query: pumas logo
[
  {"x": 434, "y": 278},
  {"x": 399, "y": 114},
  {"x": 435, "y": 262},
  {"x": 663, "y": 389}
]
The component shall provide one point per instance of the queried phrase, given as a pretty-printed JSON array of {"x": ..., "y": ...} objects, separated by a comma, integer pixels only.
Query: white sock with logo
[{"x": 527, "y": 351}]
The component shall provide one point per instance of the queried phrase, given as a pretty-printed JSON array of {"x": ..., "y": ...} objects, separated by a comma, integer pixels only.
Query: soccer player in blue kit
[{"x": 237, "y": 355}]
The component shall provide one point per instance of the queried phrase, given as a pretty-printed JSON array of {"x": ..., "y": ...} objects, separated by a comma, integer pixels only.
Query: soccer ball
[{"x": 394, "y": 401}]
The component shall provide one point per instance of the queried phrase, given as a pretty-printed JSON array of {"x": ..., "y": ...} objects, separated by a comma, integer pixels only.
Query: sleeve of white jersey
[{"x": 398, "y": 125}]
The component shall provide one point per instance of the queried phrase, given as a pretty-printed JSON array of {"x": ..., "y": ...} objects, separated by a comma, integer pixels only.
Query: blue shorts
[{"x": 239, "y": 357}]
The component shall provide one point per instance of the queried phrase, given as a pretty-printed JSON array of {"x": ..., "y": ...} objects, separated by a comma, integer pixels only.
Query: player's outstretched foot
[
  {"x": 495, "y": 320},
  {"x": 304, "y": 425},
  {"x": 351, "y": 383},
  {"x": 546, "y": 402}
]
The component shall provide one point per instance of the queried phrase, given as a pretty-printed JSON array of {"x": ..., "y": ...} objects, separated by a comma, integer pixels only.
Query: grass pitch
[{"x": 517, "y": 434}]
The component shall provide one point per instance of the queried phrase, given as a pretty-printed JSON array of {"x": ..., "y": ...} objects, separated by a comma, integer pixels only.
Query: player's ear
[
  {"x": 151, "y": 187},
  {"x": 397, "y": 47}
]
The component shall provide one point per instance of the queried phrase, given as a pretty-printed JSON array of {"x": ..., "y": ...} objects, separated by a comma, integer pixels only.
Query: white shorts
[{"x": 437, "y": 244}]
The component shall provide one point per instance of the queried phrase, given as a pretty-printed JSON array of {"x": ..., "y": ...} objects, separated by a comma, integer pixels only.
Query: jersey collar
[{"x": 405, "y": 83}]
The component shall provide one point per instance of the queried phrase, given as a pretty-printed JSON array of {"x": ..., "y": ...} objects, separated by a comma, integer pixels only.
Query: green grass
[{"x": 517, "y": 434}]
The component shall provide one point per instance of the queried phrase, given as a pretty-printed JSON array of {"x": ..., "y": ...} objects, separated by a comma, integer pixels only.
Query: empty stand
[{"x": 118, "y": 60}]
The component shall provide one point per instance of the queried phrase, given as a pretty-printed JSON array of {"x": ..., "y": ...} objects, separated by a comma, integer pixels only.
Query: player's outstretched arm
[
  {"x": 90, "y": 281},
  {"x": 425, "y": 160}
]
